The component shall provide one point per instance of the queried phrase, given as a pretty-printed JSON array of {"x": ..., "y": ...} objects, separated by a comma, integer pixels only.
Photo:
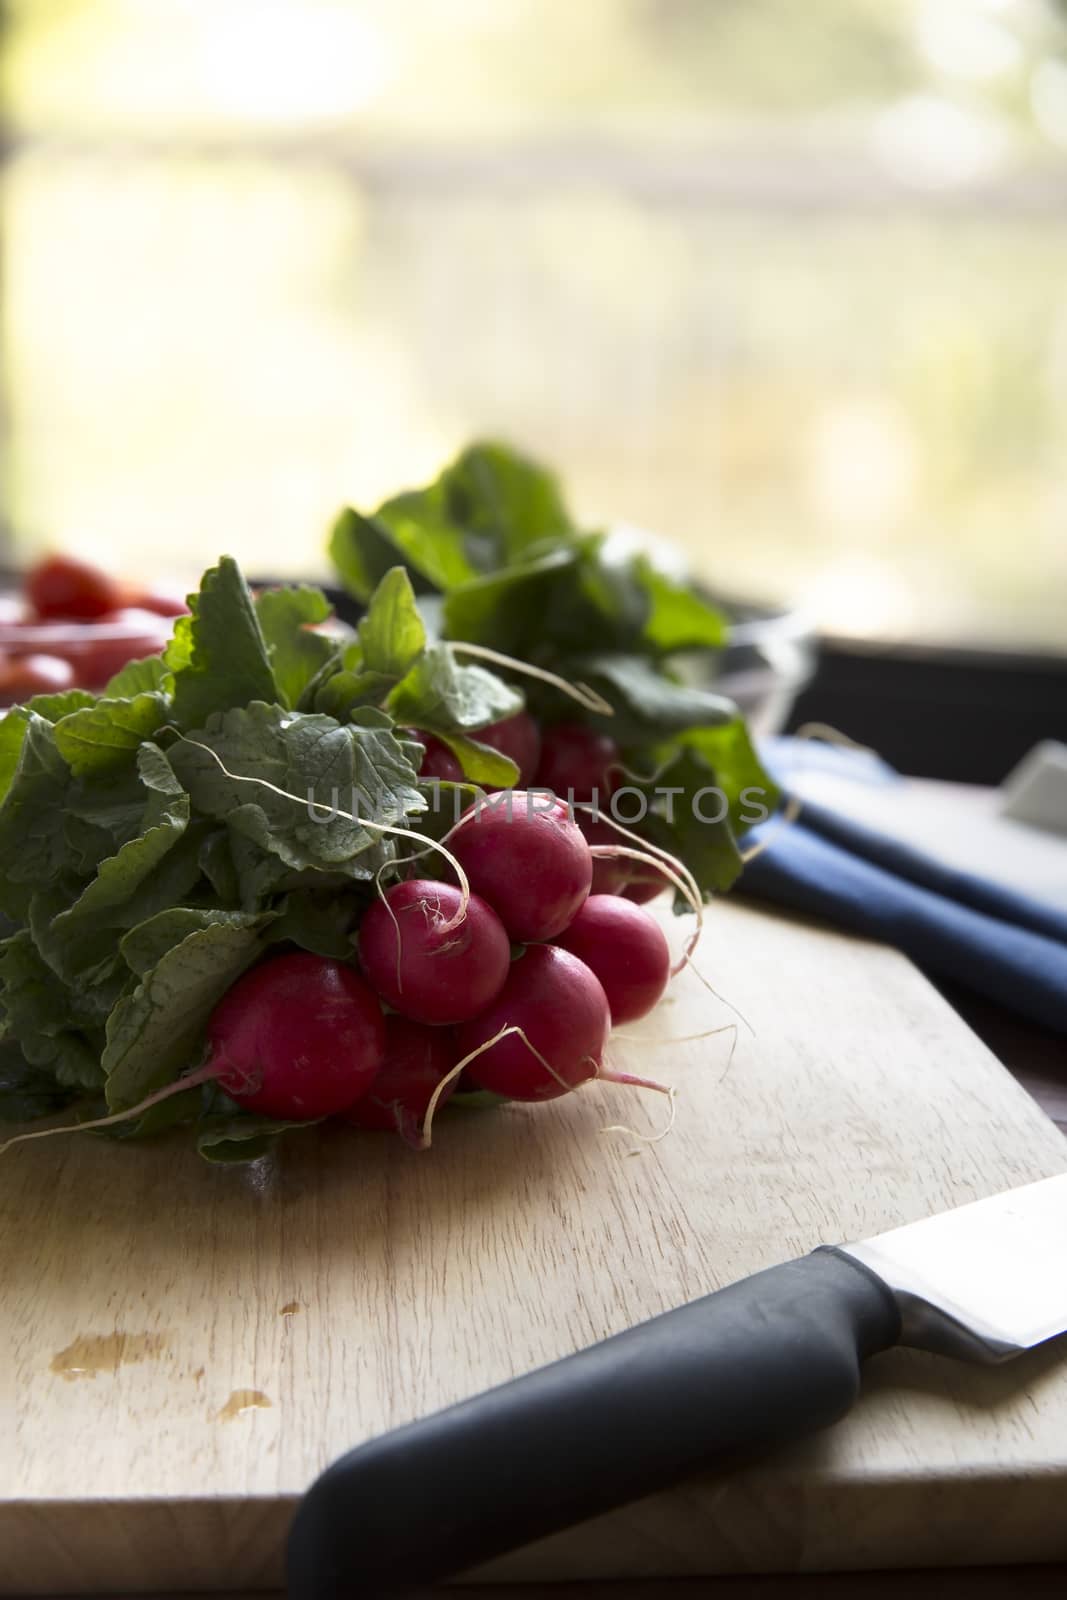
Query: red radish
[
  {"x": 561, "y": 1008},
  {"x": 524, "y": 856},
  {"x": 63, "y": 587},
  {"x": 425, "y": 969},
  {"x": 645, "y": 885},
  {"x": 619, "y": 874},
  {"x": 626, "y": 949},
  {"x": 438, "y": 762},
  {"x": 298, "y": 1037},
  {"x": 416, "y": 1059},
  {"x": 611, "y": 874},
  {"x": 575, "y": 758},
  {"x": 518, "y": 737}
]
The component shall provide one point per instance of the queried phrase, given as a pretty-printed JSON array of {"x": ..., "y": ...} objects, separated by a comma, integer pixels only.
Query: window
[{"x": 786, "y": 284}]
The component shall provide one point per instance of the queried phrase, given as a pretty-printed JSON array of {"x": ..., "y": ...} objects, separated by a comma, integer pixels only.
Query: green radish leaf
[
  {"x": 144, "y": 946},
  {"x": 219, "y": 868},
  {"x": 392, "y": 635},
  {"x": 218, "y": 655},
  {"x": 74, "y": 940},
  {"x": 34, "y": 849},
  {"x": 46, "y": 1017},
  {"x": 314, "y": 776},
  {"x": 739, "y": 772},
  {"x": 323, "y": 922},
  {"x": 104, "y": 735},
  {"x": 648, "y": 706},
  {"x": 54, "y": 706},
  {"x": 690, "y": 826},
  {"x": 411, "y": 528},
  {"x": 149, "y": 675},
  {"x": 480, "y": 762},
  {"x": 344, "y": 692},
  {"x": 241, "y": 1137},
  {"x": 509, "y": 610},
  {"x": 442, "y": 696},
  {"x": 419, "y": 526},
  {"x": 363, "y": 553},
  {"x": 27, "y": 1092},
  {"x": 12, "y": 733},
  {"x": 154, "y": 1032},
  {"x": 678, "y": 618},
  {"x": 506, "y": 505},
  {"x": 286, "y": 617},
  {"x": 476, "y": 1100}
]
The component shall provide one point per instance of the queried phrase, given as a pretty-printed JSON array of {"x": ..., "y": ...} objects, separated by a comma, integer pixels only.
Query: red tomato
[
  {"x": 61, "y": 586},
  {"x": 21, "y": 677}
]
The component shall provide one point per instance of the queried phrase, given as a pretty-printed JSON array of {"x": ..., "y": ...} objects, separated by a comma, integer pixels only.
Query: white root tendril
[
  {"x": 581, "y": 692},
  {"x": 512, "y": 1028},
  {"x": 647, "y": 1138},
  {"x": 192, "y": 1080},
  {"x": 674, "y": 862},
  {"x": 424, "y": 839},
  {"x": 688, "y": 1038},
  {"x": 426, "y": 1135},
  {"x": 630, "y": 1080},
  {"x": 721, "y": 998},
  {"x": 643, "y": 777}
]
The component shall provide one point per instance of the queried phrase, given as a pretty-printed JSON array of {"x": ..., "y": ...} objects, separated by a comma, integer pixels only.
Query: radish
[
  {"x": 298, "y": 1037},
  {"x": 426, "y": 960},
  {"x": 518, "y": 737},
  {"x": 619, "y": 874},
  {"x": 645, "y": 885},
  {"x": 527, "y": 859},
  {"x": 438, "y": 762},
  {"x": 626, "y": 949},
  {"x": 579, "y": 762},
  {"x": 416, "y": 1059},
  {"x": 559, "y": 1005}
]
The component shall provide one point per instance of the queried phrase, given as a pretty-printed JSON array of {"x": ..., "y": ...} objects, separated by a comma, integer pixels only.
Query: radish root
[
  {"x": 426, "y": 1135},
  {"x": 647, "y": 1138},
  {"x": 581, "y": 692},
  {"x": 192, "y": 1080}
]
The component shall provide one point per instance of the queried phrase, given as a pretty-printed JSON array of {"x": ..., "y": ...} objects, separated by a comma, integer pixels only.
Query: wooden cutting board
[{"x": 182, "y": 1348}]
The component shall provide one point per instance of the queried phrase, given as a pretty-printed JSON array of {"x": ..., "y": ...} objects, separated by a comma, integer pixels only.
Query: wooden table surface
[{"x": 1037, "y": 1059}]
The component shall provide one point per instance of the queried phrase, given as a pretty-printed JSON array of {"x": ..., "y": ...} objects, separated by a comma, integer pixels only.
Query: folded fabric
[{"x": 1007, "y": 946}]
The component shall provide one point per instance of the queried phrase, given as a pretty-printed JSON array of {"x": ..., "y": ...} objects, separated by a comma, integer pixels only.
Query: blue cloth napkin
[{"x": 1006, "y": 946}]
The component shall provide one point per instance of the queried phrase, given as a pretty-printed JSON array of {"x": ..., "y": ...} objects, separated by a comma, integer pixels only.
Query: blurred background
[{"x": 784, "y": 283}]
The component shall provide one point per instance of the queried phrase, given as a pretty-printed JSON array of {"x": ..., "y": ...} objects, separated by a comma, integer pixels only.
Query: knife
[{"x": 764, "y": 1361}]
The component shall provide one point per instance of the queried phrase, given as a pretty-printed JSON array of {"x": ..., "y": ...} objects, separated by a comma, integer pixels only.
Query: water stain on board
[
  {"x": 290, "y": 1308},
  {"x": 94, "y": 1353},
  {"x": 244, "y": 1400}
]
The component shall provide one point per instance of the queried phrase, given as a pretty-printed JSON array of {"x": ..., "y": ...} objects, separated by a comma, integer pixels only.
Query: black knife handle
[{"x": 766, "y": 1360}]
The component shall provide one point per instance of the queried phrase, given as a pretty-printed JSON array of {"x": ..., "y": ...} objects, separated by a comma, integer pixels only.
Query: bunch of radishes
[{"x": 510, "y": 976}]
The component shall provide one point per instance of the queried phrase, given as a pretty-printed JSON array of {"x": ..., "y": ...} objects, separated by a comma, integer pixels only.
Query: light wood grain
[{"x": 419, "y": 1279}]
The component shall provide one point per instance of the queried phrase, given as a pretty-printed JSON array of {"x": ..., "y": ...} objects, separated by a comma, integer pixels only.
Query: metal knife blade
[{"x": 983, "y": 1282}]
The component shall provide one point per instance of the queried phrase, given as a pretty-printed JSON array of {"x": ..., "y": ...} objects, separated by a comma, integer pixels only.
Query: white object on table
[{"x": 1035, "y": 791}]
